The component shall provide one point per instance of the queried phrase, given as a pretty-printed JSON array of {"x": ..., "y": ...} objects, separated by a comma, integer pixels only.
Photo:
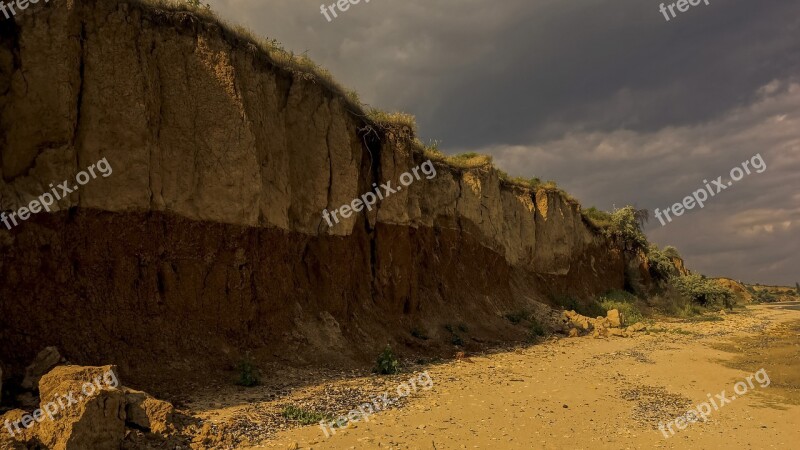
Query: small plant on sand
[
  {"x": 387, "y": 363},
  {"x": 536, "y": 330},
  {"x": 248, "y": 374},
  {"x": 302, "y": 416}
]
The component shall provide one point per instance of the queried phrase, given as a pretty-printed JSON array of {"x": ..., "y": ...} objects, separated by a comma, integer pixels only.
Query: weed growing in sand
[
  {"x": 248, "y": 374},
  {"x": 302, "y": 416},
  {"x": 536, "y": 330},
  {"x": 387, "y": 363}
]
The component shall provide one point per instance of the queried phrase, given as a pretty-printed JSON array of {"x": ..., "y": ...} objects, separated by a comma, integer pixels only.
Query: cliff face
[{"x": 208, "y": 237}]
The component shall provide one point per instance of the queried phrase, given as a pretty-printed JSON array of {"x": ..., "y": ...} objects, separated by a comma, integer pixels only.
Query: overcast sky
[{"x": 606, "y": 97}]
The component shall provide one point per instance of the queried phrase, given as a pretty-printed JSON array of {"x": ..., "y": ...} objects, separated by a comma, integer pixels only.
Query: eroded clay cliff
[{"x": 208, "y": 238}]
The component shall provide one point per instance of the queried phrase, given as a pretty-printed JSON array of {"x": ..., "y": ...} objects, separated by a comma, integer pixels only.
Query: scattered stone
[
  {"x": 616, "y": 332},
  {"x": 573, "y": 332},
  {"x": 145, "y": 412},
  {"x": 639, "y": 326}
]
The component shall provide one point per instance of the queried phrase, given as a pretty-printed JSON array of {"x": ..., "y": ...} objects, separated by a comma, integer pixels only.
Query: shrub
[
  {"x": 598, "y": 219},
  {"x": 626, "y": 227},
  {"x": 248, "y": 374},
  {"x": 671, "y": 252},
  {"x": 303, "y": 416},
  {"x": 387, "y": 364},
  {"x": 661, "y": 266},
  {"x": 518, "y": 316},
  {"x": 702, "y": 291},
  {"x": 457, "y": 341},
  {"x": 536, "y": 329},
  {"x": 625, "y": 303},
  {"x": 588, "y": 308},
  {"x": 419, "y": 334}
]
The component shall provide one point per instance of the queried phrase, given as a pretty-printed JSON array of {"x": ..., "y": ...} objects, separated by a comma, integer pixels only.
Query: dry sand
[{"x": 594, "y": 393}]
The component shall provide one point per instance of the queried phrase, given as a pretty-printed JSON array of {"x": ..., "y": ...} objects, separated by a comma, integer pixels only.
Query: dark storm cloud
[
  {"x": 479, "y": 72},
  {"x": 604, "y": 96}
]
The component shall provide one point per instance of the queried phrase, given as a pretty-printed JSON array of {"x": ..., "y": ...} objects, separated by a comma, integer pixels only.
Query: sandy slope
[{"x": 598, "y": 393}]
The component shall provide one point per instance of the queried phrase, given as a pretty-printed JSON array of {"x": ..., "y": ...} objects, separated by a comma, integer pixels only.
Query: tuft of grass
[
  {"x": 536, "y": 329},
  {"x": 303, "y": 416},
  {"x": 599, "y": 220},
  {"x": 387, "y": 363},
  {"x": 401, "y": 123},
  {"x": 469, "y": 160},
  {"x": 248, "y": 374}
]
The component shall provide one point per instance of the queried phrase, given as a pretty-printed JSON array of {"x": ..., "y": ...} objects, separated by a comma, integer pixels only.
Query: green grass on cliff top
[{"x": 400, "y": 124}]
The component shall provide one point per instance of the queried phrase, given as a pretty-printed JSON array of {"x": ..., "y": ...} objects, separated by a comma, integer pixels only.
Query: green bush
[
  {"x": 303, "y": 416},
  {"x": 625, "y": 303},
  {"x": 703, "y": 291},
  {"x": 626, "y": 226},
  {"x": 660, "y": 264},
  {"x": 387, "y": 363},
  {"x": 671, "y": 252},
  {"x": 248, "y": 374},
  {"x": 536, "y": 329},
  {"x": 589, "y": 308},
  {"x": 601, "y": 220}
]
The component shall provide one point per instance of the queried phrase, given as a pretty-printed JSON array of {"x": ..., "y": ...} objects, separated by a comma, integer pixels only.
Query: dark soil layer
[{"x": 169, "y": 299}]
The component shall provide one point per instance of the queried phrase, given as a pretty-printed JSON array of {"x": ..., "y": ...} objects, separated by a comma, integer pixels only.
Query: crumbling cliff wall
[{"x": 208, "y": 237}]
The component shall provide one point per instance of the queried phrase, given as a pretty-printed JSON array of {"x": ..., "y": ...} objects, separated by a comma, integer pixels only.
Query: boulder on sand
[{"x": 90, "y": 408}]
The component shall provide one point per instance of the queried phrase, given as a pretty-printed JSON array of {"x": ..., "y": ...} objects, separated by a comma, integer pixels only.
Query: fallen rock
[
  {"x": 618, "y": 332},
  {"x": 578, "y": 321},
  {"x": 13, "y": 435},
  {"x": 573, "y": 332},
  {"x": 639, "y": 326},
  {"x": 600, "y": 333},
  {"x": 43, "y": 363},
  {"x": 148, "y": 413},
  {"x": 614, "y": 318},
  {"x": 90, "y": 408}
]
